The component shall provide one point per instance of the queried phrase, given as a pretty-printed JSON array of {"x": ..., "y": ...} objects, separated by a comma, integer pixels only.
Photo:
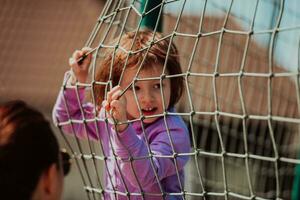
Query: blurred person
[{"x": 31, "y": 164}]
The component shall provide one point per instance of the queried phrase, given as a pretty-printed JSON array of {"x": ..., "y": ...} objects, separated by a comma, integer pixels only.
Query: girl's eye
[
  {"x": 157, "y": 86},
  {"x": 136, "y": 88}
]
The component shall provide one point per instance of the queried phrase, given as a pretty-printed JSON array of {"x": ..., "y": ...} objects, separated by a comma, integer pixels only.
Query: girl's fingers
[
  {"x": 116, "y": 95},
  {"x": 71, "y": 61},
  {"x": 86, "y": 49},
  {"x": 111, "y": 93},
  {"x": 115, "y": 107},
  {"x": 115, "y": 104},
  {"x": 77, "y": 54},
  {"x": 116, "y": 110},
  {"x": 80, "y": 70},
  {"x": 114, "y": 89},
  {"x": 105, "y": 105}
]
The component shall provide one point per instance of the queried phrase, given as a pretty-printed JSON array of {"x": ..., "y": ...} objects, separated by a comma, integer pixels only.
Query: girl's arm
[
  {"x": 73, "y": 114},
  {"x": 128, "y": 144},
  {"x": 70, "y": 111}
]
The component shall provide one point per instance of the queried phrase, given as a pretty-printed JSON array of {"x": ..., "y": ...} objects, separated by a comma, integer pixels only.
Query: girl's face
[{"x": 148, "y": 93}]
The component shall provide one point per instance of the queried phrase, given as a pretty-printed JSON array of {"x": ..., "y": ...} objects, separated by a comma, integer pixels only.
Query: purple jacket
[{"x": 159, "y": 172}]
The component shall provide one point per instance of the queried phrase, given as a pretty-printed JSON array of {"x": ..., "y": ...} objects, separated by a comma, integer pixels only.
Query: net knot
[
  {"x": 269, "y": 116},
  {"x": 223, "y": 153},
  {"x": 152, "y": 43},
  {"x": 150, "y": 154},
  {"x": 162, "y": 76},
  {"x": 241, "y": 73},
  {"x": 127, "y": 194},
  {"x": 142, "y": 118},
  {"x": 102, "y": 191},
  {"x": 271, "y": 75},
  {"x": 165, "y": 113},
  {"x": 130, "y": 159},
  {"x": 217, "y": 113},
  {"x": 175, "y": 155}
]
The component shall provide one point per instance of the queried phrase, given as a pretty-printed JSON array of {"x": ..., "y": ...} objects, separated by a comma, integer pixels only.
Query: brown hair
[
  {"x": 27, "y": 147},
  {"x": 156, "y": 55}
]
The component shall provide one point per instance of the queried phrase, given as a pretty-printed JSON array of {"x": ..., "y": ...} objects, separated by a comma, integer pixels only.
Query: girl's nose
[{"x": 147, "y": 97}]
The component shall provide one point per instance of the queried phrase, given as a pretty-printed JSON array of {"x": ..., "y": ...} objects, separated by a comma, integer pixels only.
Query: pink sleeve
[
  {"x": 129, "y": 144},
  {"x": 74, "y": 115}
]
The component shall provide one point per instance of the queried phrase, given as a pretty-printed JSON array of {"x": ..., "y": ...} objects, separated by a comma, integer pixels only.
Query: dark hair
[
  {"x": 157, "y": 54},
  {"x": 27, "y": 147}
]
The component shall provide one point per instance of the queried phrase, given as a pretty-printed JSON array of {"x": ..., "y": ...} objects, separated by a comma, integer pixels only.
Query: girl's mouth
[{"x": 149, "y": 111}]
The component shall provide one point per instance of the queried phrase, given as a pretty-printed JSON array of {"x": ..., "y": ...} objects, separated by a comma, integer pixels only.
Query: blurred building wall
[{"x": 37, "y": 37}]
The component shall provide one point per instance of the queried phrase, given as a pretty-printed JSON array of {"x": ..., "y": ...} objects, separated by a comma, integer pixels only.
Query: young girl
[{"x": 147, "y": 141}]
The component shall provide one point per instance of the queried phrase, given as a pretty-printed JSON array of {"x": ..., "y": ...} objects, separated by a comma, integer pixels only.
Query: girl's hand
[
  {"x": 80, "y": 71},
  {"x": 116, "y": 107}
]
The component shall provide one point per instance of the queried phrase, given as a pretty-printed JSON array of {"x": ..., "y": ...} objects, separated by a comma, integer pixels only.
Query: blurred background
[
  {"x": 37, "y": 37},
  {"x": 253, "y": 46}
]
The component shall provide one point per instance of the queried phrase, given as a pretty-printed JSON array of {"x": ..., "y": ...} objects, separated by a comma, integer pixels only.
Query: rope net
[{"x": 241, "y": 100}]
